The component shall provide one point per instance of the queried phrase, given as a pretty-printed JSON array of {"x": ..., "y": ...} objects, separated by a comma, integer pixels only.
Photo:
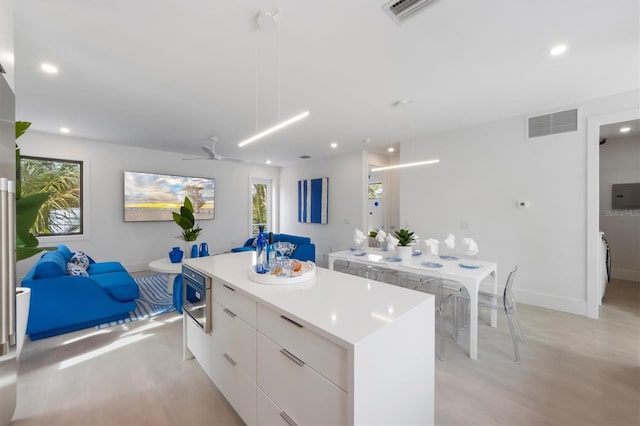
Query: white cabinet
[
  {"x": 339, "y": 350},
  {"x": 302, "y": 393},
  {"x": 326, "y": 357}
]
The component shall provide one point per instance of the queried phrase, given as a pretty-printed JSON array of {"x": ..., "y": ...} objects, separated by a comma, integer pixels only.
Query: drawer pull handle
[
  {"x": 228, "y": 358},
  {"x": 230, "y": 288},
  {"x": 228, "y": 312},
  {"x": 292, "y": 357},
  {"x": 291, "y": 321},
  {"x": 288, "y": 419}
]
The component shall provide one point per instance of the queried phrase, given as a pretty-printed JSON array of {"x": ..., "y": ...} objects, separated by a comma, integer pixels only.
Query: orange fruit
[{"x": 296, "y": 265}]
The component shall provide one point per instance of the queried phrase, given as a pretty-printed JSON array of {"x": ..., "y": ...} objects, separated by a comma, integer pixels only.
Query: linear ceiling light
[
  {"x": 274, "y": 128},
  {"x": 399, "y": 166}
]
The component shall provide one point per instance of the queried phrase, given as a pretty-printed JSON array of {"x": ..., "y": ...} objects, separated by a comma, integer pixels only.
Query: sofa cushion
[
  {"x": 105, "y": 268},
  {"x": 76, "y": 270},
  {"x": 119, "y": 285},
  {"x": 81, "y": 259},
  {"x": 51, "y": 265},
  {"x": 66, "y": 253}
]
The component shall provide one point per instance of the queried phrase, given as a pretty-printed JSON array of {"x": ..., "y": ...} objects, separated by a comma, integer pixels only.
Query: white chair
[{"x": 505, "y": 302}]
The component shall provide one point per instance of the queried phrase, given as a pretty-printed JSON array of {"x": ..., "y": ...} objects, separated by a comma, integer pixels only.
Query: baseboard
[
  {"x": 136, "y": 267},
  {"x": 563, "y": 304},
  {"x": 625, "y": 274}
]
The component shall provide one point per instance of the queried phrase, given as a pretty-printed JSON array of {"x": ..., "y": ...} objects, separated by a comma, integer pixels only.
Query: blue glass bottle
[
  {"x": 271, "y": 253},
  {"x": 261, "y": 252}
]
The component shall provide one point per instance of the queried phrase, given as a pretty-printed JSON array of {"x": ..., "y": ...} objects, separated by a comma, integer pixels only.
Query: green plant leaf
[
  {"x": 21, "y": 127},
  {"x": 187, "y": 204}
]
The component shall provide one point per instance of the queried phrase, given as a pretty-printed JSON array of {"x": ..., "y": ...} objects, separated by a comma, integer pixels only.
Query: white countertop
[{"x": 342, "y": 307}]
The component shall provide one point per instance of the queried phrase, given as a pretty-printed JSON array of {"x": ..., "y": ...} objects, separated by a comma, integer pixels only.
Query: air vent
[
  {"x": 399, "y": 10},
  {"x": 305, "y": 157},
  {"x": 551, "y": 124}
]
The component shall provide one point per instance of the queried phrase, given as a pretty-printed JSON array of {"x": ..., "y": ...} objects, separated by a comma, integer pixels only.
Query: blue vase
[
  {"x": 175, "y": 255},
  {"x": 204, "y": 249},
  {"x": 194, "y": 250}
]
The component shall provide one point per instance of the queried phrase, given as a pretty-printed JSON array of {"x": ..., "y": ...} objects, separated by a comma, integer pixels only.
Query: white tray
[{"x": 308, "y": 273}]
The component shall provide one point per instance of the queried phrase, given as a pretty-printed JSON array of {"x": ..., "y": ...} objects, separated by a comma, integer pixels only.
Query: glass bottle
[
  {"x": 261, "y": 252},
  {"x": 271, "y": 253}
]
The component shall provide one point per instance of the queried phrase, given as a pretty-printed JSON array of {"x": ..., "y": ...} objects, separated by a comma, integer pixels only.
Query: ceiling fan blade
[{"x": 209, "y": 151}]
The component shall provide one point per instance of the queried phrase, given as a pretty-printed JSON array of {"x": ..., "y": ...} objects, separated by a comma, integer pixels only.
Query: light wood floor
[{"x": 574, "y": 371}]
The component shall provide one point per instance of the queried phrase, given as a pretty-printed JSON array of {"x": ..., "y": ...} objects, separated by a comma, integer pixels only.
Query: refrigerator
[{"x": 8, "y": 355}]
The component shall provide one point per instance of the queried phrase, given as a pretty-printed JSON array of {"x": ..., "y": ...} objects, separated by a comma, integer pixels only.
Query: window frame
[
  {"x": 269, "y": 199},
  {"x": 49, "y": 239}
]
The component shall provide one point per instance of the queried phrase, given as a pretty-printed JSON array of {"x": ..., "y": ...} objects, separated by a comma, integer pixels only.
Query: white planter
[
  {"x": 404, "y": 252},
  {"x": 23, "y": 300}
]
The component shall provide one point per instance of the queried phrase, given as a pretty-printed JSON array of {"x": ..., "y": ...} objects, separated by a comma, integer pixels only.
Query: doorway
[{"x": 594, "y": 262}]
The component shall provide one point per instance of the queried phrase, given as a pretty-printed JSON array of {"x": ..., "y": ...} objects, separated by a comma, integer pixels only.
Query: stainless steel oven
[{"x": 196, "y": 297}]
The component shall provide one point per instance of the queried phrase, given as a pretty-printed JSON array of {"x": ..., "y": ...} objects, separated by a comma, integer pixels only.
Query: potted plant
[
  {"x": 405, "y": 241},
  {"x": 186, "y": 221},
  {"x": 27, "y": 209}
]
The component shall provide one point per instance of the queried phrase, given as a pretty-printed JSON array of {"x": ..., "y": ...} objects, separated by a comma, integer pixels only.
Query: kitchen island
[{"x": 336, "y": 349}]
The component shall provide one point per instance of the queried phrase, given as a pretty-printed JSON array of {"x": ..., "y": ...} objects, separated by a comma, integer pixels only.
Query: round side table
[{"x": 164, "y": 266}]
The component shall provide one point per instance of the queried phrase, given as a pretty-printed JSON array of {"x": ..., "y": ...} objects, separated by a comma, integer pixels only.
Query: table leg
[
  {"x": 473, "y": 325},
  {"x": 170, "y": 278},
  {"x": 494, "y": 311},
  {"x": 331, "y": 260}
]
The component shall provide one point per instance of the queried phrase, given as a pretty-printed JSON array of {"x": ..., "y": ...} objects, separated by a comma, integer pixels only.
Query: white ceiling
[{"x": 168, "y": 74}]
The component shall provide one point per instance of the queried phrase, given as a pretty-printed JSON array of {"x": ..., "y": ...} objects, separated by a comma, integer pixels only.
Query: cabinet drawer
[
  {"x": 307, "y": 397},
  {"x": 235, "y": 385},
  {"x": 322, "y": 355},
  {"x": 199, "y": 343},
  {"x": 238, "y": 303},
  {"x": 236, "y": 338},
  {"x": 269, "y": 414}
]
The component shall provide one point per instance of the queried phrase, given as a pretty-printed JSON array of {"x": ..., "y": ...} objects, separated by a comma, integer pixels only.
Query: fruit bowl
[{"x": 305, "y": 271}]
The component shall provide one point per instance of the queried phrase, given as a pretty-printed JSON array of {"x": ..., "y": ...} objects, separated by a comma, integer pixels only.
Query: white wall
[
  {"x": 484, "y": 171},
  {"x": 134, "y": 244},
  {"x": 620, "y": 163},
  {"x": 346, "y": 201}
]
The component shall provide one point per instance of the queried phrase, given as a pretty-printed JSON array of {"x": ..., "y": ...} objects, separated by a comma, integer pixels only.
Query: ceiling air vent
[
  {"x": 551, "y": 124},
  {"x": 400, "y": 10}
]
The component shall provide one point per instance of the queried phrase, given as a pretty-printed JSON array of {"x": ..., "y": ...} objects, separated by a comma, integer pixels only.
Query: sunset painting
[{"x": 153, "y": 197}]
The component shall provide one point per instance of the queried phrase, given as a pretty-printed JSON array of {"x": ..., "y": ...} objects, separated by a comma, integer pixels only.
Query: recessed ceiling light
[
  {"x": 558, "y": 50},
  {"x": 334, "y": 144},
  {"x": 64, "y": 130},
  {"x": 390, "y": 149},
  {"x": 268, "y": 161},
  {"x": 625, "y": 130},
  {"x": 49, "y": 69}
]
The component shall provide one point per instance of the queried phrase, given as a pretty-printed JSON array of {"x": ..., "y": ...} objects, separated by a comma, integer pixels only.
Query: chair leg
[
  {"x": 518, "y": 323},
  {"x": 514, "y": 338}
]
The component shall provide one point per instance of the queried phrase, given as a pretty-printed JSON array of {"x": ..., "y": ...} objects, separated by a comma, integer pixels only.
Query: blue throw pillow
[
  {"x": 76, "y": 270},
  {"x": 50, "y": 265},
  {"x": 81, "y": 259}
]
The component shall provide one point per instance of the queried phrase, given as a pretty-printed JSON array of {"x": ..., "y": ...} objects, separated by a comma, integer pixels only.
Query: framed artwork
[
  {"x": 153, "y": 197},
  {"x": 313, "y": 200}
]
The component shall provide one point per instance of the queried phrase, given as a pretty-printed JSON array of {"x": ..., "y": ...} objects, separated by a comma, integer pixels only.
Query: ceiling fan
[{"x": 211, "y": 153}]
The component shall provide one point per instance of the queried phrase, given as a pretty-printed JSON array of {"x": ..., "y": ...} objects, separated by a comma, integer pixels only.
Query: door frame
[{"x": 594, "y": 266}]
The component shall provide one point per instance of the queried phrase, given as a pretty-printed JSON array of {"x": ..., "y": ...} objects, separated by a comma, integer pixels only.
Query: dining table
[{"x": 470, "y": 273}]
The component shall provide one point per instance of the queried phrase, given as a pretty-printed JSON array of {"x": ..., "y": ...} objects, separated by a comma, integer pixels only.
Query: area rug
[{"x": 154, "y": 299}]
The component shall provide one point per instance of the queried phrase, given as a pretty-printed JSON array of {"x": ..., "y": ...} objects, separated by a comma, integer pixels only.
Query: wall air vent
[
  {"x": 399, "y": 10},
  {"x": 551, "y": 124}
]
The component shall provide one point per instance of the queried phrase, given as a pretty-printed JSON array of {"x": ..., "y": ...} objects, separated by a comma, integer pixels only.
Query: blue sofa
[
  {"x": 304, "y": 249},
  {"x": 61, "y": 303}
]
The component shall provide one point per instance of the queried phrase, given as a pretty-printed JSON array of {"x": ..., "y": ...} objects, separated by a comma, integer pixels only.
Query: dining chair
[
  {"x": 504, "y": 301},
  {"x": 446, "y": 292}
]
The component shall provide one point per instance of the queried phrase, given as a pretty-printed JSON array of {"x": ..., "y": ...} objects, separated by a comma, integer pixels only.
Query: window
[
  {"x": 260, "y": 205},
  {"x": 61, "y": 214},
  {"x": 375, "y": 191}
]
